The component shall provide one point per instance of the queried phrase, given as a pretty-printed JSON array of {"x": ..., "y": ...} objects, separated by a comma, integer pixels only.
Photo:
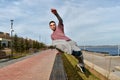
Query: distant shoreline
[
  {"x": 100, "y": 46},
  {"x": 113, "y": 50}
]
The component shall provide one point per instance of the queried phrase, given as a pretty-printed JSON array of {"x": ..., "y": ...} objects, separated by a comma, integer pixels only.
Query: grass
[
  {"x": 72, "y": 71},
  {"x": 18, "y": 55},
  {"x": 15, "y": 56}
]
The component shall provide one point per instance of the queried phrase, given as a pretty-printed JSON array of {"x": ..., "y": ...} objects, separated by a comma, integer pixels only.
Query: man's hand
[{"x": 54, "y": 11}]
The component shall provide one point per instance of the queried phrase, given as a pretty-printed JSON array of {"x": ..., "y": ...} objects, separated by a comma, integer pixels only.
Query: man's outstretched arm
[{"x": 54, "y": 11}]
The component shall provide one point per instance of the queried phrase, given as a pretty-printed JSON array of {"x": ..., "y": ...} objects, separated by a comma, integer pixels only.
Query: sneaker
[{"x": 81, "y": 68}]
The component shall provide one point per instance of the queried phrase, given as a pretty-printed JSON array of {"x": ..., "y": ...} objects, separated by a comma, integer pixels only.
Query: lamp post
[{"x": 12, "y": 37}]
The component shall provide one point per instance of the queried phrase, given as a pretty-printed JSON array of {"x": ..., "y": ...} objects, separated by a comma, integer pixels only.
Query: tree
[
  {"x": 15, "y": 43},
  {"x": 21, "y": 44},
  {"x": 0, "y": 45},
  {"x": 27, "y": 45}
]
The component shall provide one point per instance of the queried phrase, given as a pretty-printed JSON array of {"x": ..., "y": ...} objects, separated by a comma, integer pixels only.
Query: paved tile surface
[
  {"x": 6, "y": 62},
  {"x": 37, "y": 67}
]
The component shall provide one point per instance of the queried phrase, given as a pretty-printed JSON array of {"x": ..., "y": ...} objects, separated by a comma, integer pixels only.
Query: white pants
[{"x": 66, "y": 46}]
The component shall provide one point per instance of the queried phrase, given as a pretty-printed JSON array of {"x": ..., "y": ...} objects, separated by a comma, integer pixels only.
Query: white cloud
[{"x": 89, "y": 21}]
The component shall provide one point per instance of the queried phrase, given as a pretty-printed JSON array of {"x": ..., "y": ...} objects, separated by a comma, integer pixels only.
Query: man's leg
[
  {"x": 76, "y": 51},
  {"x": 79, "y": 56}
]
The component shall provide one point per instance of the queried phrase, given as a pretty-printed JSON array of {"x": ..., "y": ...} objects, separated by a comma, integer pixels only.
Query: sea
[{"x": 111, "y": 50}]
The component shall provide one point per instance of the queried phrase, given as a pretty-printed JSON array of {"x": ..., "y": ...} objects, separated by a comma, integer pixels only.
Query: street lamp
[{"x": 12, "y": 37}]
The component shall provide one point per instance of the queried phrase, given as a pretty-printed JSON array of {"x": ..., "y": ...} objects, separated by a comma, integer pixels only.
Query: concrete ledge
[
  {"x": 58, "y": 72},
  {"x": 38, "y": 67},
  {"x": 103, "y": 72}
]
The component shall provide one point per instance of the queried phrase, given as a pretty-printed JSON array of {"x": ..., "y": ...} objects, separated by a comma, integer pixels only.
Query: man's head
[{"x": 52, "y": 25}]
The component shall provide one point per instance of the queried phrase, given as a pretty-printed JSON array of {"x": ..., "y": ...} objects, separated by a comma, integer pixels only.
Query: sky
[{"x": 87, "y": 22}]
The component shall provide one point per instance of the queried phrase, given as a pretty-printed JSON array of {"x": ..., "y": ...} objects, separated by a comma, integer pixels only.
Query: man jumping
[{"x": 64, "y": 43}]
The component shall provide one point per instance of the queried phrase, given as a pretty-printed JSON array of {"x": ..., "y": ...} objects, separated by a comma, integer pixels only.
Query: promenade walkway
[
  {"x": 38, "y": 67},
  {"x": 48, "y": 66},
  {"x": 105, "y": 65}
]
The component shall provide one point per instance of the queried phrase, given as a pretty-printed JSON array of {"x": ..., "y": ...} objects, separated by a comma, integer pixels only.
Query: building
[{"x": 5, "y": 39}]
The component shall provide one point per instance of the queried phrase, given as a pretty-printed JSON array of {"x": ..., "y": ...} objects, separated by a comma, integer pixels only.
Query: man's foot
[{"x": 82, "y": 68}]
